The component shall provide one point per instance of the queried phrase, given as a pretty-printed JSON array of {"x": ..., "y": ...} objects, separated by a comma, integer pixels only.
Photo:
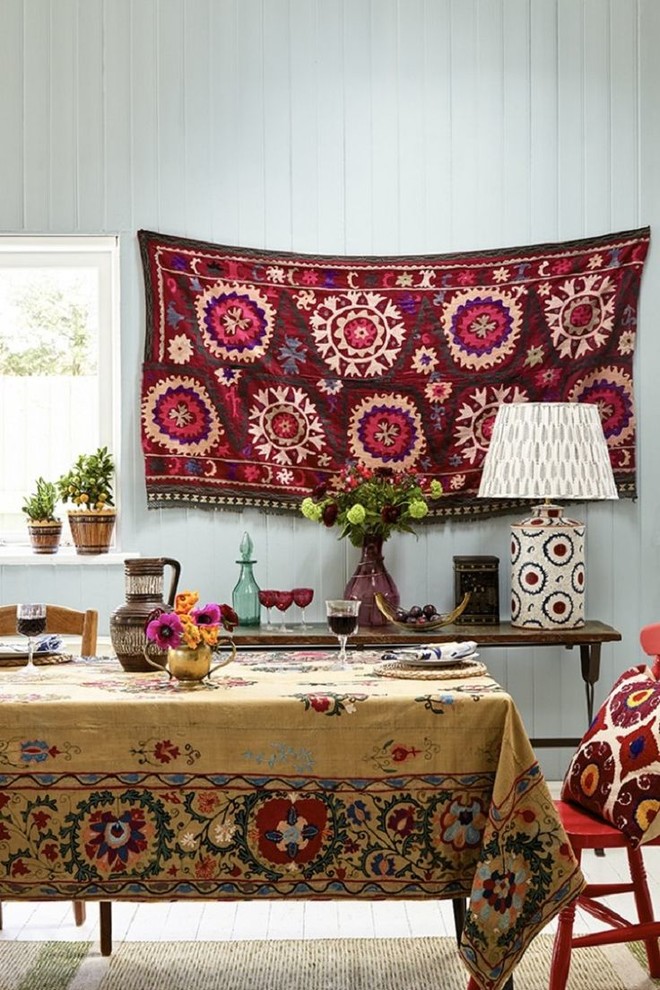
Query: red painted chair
[{"x": 588, "y": 832}]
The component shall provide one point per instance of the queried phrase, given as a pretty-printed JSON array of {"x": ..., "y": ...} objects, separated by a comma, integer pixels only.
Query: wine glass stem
[
  {"x": 303, "y": 624},
  {"x": 342, "y": 648},
  {"x": 30, "y": 660}
]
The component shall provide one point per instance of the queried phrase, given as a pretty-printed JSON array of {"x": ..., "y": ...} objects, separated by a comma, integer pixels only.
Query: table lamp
[{"x": 547, "y": 450}]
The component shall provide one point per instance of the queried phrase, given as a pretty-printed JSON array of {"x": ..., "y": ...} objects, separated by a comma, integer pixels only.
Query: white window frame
[{"x": 102, "y": 254}]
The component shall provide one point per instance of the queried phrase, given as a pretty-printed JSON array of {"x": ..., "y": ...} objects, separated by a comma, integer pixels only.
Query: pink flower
[
  {"x": 207, "y": 615},
  {"x": 165, "y": 630}
]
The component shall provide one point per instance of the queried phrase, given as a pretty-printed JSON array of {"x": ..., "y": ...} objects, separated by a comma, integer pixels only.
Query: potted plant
[
  {"x": 89, "y": 486},
  {"x": 44, "y": 527}
]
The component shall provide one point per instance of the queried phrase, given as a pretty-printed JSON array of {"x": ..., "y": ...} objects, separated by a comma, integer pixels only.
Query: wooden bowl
[{"x": 444, "y": 620}]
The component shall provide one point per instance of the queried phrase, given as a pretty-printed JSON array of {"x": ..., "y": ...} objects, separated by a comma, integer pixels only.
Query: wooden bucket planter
[
  {"x": 45, "y": 536},
  {"x": 92, "y": 529}
]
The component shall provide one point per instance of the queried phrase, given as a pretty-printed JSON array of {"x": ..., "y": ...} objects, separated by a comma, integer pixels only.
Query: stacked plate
[
  {"x": 433, "y": 656},
  {"x": 444, "y": 661}
]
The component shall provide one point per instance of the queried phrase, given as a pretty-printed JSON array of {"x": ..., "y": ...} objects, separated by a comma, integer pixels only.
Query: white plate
[{"x": 433, "y": 663}]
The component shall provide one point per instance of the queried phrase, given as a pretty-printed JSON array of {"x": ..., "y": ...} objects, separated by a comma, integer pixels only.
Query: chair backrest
[
  {"x": 60, "y": 619},
  {"x": 649, "y": 638}
]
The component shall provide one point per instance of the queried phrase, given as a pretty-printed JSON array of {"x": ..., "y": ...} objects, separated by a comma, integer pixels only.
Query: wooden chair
[
  {"x": 65, "y": 621},
  {"x": 585, "y": 831}
]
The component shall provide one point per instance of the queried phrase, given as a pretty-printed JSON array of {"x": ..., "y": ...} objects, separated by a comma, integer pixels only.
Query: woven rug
[
  {"x": 323, "y": 964},
  {"x": 266, "y": 372}
]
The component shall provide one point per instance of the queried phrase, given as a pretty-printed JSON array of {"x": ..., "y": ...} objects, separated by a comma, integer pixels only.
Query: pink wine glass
[
  {"x": 267, "y": 599},
  {"x": 302, "y": 597},
  {"x": 283, "y": 601}
]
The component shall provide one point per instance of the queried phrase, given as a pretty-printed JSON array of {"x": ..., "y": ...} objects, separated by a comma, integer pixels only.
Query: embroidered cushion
[{"x": 615, "y": 772}]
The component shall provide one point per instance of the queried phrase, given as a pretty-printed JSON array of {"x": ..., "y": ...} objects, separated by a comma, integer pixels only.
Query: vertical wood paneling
[
  {"x": 246, "y": 141},
  {"x": 543, "y": 159},
  {"x": 172, "y": 135},
  {"x": 386, "y": 137},
  {"x": 331, "y": 133},
  {"x": 11, "y": 115},
  {"x": 145, "y": 159},
  {"x": 36, "y": 120},
  {"x": 515, "y": 156},
  {"x": 466, "y": 161},
  {"x": 88, "y": 101},
  {"x": 63, "y": 85},
  {"x": 437, "y": 125},
  {"x": 118, "y": 83},
  {"x": 410, "y": 115},
  {"x": 278, "y": 130},
  {"x": 196, "y": 86},
  {"x": 357, "y": 109},
  {"x": 348, "y": 126},
  {"x": 572, "y": 151},
  {"x": 305, "y": 123}
]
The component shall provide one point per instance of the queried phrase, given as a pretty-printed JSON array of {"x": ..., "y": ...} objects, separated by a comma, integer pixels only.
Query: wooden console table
[{"x": 588, "y": 638}]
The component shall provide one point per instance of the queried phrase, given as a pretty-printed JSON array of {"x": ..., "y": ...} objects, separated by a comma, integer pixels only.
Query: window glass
[{"x": 58, "y": 299}]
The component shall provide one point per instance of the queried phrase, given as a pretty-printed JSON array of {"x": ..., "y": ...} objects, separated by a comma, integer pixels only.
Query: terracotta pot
[
  {"x": 45, "y": 536},
  {"x": 91, "y": 530}
]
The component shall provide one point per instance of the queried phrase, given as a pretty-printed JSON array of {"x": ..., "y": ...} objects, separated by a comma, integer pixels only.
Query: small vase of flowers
[
  {"x": 368, "y": 504},
  {"x": 192, "y": 635}
]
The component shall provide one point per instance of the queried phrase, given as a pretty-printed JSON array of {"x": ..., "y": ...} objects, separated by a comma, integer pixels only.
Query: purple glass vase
[{"x": 372, "y": 576}]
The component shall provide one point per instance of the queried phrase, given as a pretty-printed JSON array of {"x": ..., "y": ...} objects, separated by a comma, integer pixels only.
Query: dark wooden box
[{"x": 479, "y": 576}]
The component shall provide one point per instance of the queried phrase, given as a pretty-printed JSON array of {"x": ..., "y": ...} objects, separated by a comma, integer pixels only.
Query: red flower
[
  {"x": 50, "y": 851},
  {"x": 319, "y": 702},
  {"x": 40, "y": 819},
  {"x": 330, "y": 513}
]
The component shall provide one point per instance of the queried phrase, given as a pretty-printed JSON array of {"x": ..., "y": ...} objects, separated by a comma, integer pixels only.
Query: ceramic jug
[{"x": 144, "y": 578}]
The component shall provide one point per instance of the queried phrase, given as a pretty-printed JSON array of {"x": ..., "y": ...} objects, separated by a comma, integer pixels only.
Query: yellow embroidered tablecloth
[{"x": 289, "y": 778}]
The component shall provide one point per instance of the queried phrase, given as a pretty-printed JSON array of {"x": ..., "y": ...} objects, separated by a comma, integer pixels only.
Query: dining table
[{"x": 285, "y": 775}]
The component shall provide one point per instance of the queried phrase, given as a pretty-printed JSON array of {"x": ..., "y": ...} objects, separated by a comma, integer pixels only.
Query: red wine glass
[
  {"x": 283, "y": 601},
  {"x": 30, "y": 622},
  {"x": 302, "y": 597},
  {"x": 267, "y": 599},
  {"x": 343, "y": 621}
]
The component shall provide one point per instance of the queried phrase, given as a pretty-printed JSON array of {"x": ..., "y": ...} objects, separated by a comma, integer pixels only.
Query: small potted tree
[
  {"x": 88, "y": 485},
  {"x": 44, "y": 527}
]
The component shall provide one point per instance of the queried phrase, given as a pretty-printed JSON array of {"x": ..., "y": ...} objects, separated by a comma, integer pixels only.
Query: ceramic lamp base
[{"x": 547, "y": 570}]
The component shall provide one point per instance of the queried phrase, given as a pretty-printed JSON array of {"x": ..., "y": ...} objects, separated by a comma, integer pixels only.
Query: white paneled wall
[{"x": 349, "y": 126}]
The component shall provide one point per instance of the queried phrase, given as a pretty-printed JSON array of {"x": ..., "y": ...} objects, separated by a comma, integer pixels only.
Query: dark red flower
[
  {"x": 229, "y": 617},
  {"x": 390, "y": 513},
  {"x": 330, "y": 513},
  {"x": 319, "y": 491}
]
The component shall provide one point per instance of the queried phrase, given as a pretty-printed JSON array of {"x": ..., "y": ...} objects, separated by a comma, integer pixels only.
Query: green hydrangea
[
  {"x": 436, "y": 489},
  {"x": 311, "y": 510},
  {"x": 418, "y": 509},
  {"x": 356, "y": 514}
]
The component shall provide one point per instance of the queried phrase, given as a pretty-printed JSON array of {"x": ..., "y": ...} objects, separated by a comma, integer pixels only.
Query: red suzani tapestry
[{"x": 265, "y": 372}]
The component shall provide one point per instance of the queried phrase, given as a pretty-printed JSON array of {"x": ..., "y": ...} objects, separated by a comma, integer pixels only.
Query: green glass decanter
[{"x": 245, "y": 596}]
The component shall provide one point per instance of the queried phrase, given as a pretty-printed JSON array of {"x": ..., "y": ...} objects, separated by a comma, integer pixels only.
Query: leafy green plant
[
  {"x": 40, "y": 505},
  {"x": 89, "y": 483},
  {"x": 365, "y": 501}
]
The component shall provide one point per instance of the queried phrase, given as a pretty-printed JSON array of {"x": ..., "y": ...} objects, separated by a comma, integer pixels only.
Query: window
[{"x": 59, "y": 355}]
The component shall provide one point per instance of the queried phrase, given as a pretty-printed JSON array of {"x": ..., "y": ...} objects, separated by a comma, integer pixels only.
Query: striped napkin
[{"x": 433, "y": 651}]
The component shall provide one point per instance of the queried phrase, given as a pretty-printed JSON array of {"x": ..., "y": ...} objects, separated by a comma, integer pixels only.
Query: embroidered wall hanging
[{"x": 265, "y": 372}]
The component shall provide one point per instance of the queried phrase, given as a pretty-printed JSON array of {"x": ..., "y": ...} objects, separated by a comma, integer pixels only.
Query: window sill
[{"x": 24, "y": 556}]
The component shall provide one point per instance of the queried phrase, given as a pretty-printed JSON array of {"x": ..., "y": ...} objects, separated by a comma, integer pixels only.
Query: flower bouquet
[
  {"x": 365, "y": 501},
  {"x": 191, "y": 635}
]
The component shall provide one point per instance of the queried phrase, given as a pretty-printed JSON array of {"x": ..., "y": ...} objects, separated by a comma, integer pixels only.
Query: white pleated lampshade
[{"x": 545, "y": 450}]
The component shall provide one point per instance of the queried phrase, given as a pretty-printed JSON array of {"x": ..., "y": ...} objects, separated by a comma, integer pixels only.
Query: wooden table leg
[
  {"x": 105, "y": 911},
  {"x": 590, "y": 663}
]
